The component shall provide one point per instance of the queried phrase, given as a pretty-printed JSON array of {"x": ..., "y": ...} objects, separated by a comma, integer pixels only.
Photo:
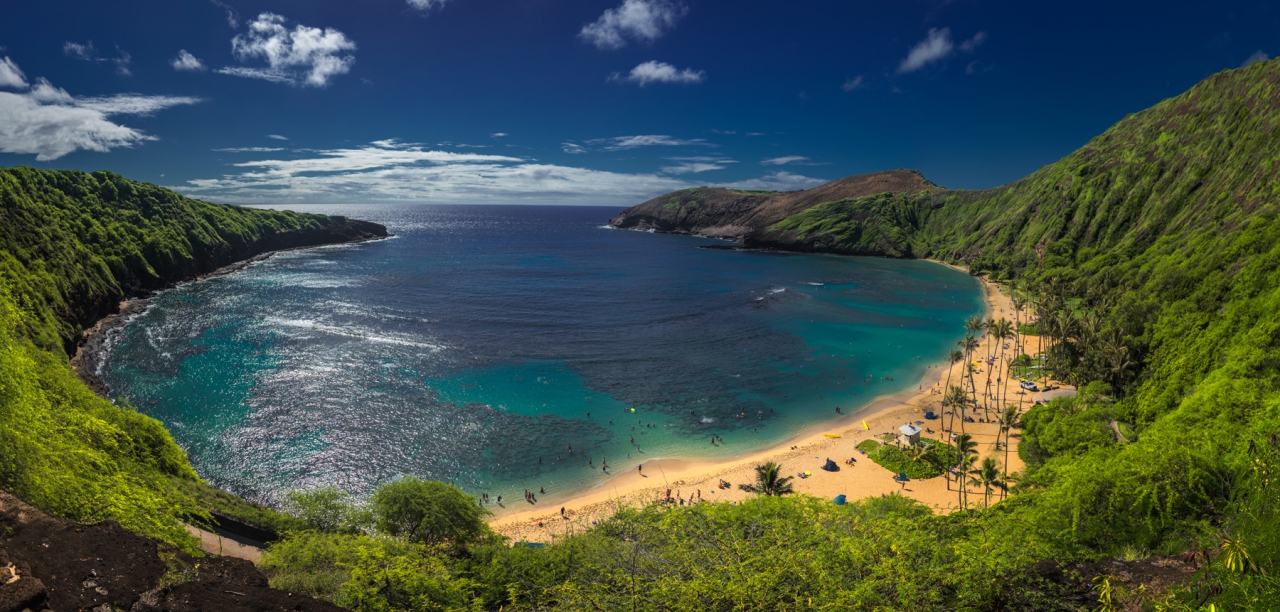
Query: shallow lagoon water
[{"x": 482, "y": 343}]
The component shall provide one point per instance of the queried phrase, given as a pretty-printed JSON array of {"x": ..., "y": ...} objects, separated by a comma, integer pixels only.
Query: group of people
[{"x": 668, "y": 499}]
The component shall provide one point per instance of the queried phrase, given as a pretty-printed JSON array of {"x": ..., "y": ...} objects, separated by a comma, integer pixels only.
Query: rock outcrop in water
[{"x": 739, "y": 215}]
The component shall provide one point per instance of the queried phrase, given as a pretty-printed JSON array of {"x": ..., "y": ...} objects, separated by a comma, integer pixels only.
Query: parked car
[{"x": 1028, "y": 385}]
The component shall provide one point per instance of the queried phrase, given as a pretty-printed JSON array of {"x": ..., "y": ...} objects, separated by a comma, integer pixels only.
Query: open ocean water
[{"x": 483, "y": 342}]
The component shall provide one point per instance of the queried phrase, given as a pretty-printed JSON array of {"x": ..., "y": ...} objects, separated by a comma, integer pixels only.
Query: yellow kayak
[{"x": 831, "y": 435}]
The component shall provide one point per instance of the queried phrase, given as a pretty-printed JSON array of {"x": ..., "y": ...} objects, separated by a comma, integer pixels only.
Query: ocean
[{"x": 505, "y": 348}]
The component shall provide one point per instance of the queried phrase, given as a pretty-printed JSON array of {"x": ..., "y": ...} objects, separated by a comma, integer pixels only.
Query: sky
[{"x": 604, "y": 102}]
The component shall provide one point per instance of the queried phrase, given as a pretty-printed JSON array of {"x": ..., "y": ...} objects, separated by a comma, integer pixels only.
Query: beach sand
[{"x": 805, "y": 452}]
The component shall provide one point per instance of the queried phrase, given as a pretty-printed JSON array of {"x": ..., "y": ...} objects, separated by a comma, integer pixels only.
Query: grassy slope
[
  {"x": 1167, "y": 225},
  {"x": 71, "y": 246},
  {"x": 1163, "y": 229}
]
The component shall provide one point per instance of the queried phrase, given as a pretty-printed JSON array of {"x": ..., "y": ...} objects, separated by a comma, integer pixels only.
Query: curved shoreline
[
  {"x": 94, "y": 343},
  {"x": 630, "y": 487},
  {"x": 805, "y": 451}
]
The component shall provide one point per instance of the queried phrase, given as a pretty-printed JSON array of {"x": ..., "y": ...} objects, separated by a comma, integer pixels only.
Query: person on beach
[
  {"x": 640, "y": 468},
  {"x": 562, "y": 511},
  {"x": 499, "y": 500}
]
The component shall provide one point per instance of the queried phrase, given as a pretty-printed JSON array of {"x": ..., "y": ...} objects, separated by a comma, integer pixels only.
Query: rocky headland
[{"x": 747, "y": 216}]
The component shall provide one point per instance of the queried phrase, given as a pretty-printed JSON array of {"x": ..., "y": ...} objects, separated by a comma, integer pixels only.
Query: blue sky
[{"x": 587, "y": 101}]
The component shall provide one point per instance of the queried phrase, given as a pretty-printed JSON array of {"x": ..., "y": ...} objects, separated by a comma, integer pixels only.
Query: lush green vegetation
[
  {"x": 71, "y": 246},
  {"x": 1151, "y": 259},
  {"x": 926, "y": 460}
]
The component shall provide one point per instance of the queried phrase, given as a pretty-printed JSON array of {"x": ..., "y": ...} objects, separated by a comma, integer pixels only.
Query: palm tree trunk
[{"x": 1005, "y": 491}]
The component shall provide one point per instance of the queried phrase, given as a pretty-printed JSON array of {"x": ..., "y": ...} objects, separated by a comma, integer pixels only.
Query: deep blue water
[{"x": 482, "y": 342}]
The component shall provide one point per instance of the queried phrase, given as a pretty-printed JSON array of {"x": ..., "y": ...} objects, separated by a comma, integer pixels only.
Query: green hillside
[
  {"x": 72, "y": 245},
  {"x": 1152, "y": 256}
]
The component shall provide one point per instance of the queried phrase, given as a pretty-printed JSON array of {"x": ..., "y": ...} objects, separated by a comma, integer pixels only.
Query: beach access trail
[{"x": 806, "y": 452}]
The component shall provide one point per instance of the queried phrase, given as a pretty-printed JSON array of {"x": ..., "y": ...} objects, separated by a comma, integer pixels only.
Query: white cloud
[
  {"x": 691, "y": 167},
  {"x": 88, "y": 53},
  {"x": 392, "y": 171},
  {"x": 644, "y": 20},
  {"x": 186, "y": 61},
  {"x": 660, "y": 72},
  {"x": 778, "y": 181},
  {"x": 132, "y": 104},
  {"x": 248, "y": 150},
  {"x": 11, "y": 75},
  {"x": 50, "y": 123},
  {"x": 498, "y": 135},
  {"x": 788, "y": 159},
  {"x": 426, "y": 5},
  {"x": 569, "y": 147},
  {"x": 305, "y": 55},
  {"x": 969, "y": 45},
  {"x": 277, "y": 137},
  {"x": 936, "y": 46},
  {"x": 1258, "y": 56},
  {"x": 852, "y": 84},
  {"x": 705, "y": 158},
  {"x": 378, "y": 154},
  {"x": 45, "y": 92},
  {"x": 621, "y": 143},
  {"x": 82, "y": 52},
  {"x": 233, "y": 16}
]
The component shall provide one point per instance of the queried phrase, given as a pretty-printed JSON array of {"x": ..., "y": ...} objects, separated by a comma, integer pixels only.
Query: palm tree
[
  {"x": 957, "y": 397},
  {"x": 1018, "y": 307},
  {"x": 965, "y": 468},
  {"x": 769, "y": 481},
  {"x": 917, "y": 453},
  {"x": 965, "y": 451},
  {"x": 1007, "y": 421},
  {"x": 987, "y": 476},
  {"x": 969, "y": 344},
  {"x": 1117, "y": 355},
  {"x": 952, "y": 358},
  {"x": 1003, "y": 331}
]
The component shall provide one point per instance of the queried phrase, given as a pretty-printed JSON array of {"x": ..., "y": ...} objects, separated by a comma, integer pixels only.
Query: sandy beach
[{"x": 808, "y": 451}]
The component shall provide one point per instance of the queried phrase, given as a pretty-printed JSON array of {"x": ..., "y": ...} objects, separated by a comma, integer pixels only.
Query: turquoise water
[{"x": 512, "y": 348}]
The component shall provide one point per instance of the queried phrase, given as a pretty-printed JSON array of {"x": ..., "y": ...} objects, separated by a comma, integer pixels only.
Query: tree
[
  {"x": 969, "y": 344},
  {"x": 957, "y": 398},
  {"x": 953, "y": 358},
  {"x": 1007, "y": 420},
  {"x": 964, "y": 468},
  {"x": 965, "y": 449},
  {"x": 428, "y": 512},
  {"x": 324, "y": 508},
  {"x": 769, "y": 481},
  {"x": 987, "y": 476},
  {"x": 1003, "y": 331}
]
